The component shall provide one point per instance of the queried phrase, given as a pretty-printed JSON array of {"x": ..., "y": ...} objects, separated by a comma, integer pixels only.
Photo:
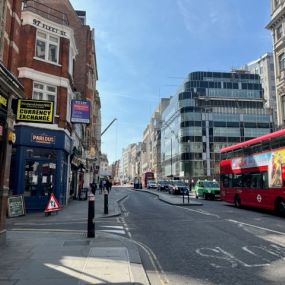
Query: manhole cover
[{"x": 76, "y": 242}]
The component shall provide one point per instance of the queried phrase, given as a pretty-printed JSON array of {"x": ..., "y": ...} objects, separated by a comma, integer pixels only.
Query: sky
[{"x": 146, "y": 48}]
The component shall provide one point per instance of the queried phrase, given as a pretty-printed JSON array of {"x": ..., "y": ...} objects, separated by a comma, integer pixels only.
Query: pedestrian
[
  {"x": 93, "y": 187},
  {"x": 101, "y": 186},
  {"x": 108, "y": 185},
  {"x": 104, "y": 184}
]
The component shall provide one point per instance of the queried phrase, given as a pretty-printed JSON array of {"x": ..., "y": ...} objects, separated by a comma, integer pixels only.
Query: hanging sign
[
  {"x": 35, "y": 111},
  {"x": 52, "y": 205},
  {"x": 80, "y": 111}
]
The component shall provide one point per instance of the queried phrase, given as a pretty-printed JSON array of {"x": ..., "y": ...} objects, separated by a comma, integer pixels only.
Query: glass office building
[{"x": 211, "y": 110}]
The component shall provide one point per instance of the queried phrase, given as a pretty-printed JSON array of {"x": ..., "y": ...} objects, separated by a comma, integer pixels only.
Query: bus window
[
  {"x": 266, "y": 145},
  {"x": 246, "y": 180},
  {"x": 226, "y": 180},
  {"x": 264, "y": 180},
  {"x": 237, "y": 180}
]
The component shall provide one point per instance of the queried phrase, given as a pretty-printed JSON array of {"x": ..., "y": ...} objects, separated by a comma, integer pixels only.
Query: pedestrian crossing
[{"x": 113, "y": 227}]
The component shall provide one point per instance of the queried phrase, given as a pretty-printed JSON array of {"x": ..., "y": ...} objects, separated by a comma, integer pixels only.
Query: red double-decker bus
[{"x": 253, "y": 172}]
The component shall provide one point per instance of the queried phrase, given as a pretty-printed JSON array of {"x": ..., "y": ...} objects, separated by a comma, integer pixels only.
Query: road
[
  {"x": 215, "y": 243},
  {"x": 210, "y": 244}
]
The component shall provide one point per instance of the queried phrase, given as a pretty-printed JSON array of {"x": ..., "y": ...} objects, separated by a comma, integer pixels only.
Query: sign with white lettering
[
  {"x": 80, "y": 111},
  {"x": 43, "y": 138},
  {"x": 36, "y": 111},
  {"x": 16, "y": 206}
]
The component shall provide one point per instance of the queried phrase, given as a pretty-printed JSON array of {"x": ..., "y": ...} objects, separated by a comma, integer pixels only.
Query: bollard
[
  {"x": 106, "y": 202},
  {"x": 91, "y": 216},
  {"x": 183, "y": 197}
]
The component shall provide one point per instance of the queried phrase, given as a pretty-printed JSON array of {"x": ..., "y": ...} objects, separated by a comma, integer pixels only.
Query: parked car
[
  {"x": 163, "y": 185},
  {"x": 151, "y": 184},
  {"x": 207, "y": 189},
  {"x": 178, "y": 187}
]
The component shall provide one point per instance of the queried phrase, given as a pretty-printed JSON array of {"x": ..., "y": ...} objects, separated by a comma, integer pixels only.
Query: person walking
[{"x": 101, "y": 186}]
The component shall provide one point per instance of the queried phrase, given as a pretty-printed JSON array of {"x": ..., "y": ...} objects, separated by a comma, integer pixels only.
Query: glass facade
[{"x": 212, "y": 110}]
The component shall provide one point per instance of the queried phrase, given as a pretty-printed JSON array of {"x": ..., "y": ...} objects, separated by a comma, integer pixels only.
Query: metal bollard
[
  {"x": 91, "y": 216},
  {"x": 106, "y": 210}
]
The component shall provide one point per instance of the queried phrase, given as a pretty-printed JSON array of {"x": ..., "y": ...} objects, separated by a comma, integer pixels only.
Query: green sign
[{"x": 16, "y": 206}]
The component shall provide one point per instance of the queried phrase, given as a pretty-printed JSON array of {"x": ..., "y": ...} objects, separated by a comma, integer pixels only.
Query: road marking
[
  {"x": 155, "y": 263},
  {"x": 200, "y": 212},
  {"x": 45, "y": 230},
  {"x": 48, "y": 223},
  {"x": 253, "y": 226},
  {"x": 113, "y": 227},
  {"x": 121, "y": 232}
]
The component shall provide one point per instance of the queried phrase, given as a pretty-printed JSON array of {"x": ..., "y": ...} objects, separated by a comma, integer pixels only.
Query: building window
[
  {"x": 279, "y": 32},
  {"x": 283, "y": 107},
  {"x": 47, "y": 47},
  {"x": 44, "y": 92},
  {"x": 281, "y": 60}
]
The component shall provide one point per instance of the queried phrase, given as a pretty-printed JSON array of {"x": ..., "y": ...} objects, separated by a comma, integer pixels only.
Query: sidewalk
[{"x": 66, "y": 257}]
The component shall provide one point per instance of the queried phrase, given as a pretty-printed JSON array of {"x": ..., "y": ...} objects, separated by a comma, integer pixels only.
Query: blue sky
[{"x": 145, "y": 48}]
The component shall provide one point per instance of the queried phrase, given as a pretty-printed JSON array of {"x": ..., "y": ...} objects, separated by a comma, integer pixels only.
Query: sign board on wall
[
  {"x": 36, "y": 111},
  {"x": 80, "y": 111},
  {"x": 3, "y": 102},
  {"x": 16, "y": 206}
]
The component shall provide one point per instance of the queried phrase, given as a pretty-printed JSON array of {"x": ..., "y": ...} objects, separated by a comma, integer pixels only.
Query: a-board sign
[{"x": 16, "y": 206}]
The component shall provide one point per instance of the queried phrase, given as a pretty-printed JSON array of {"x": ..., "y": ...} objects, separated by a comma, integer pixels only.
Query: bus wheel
[
  {"x": 280, "y": 207},
  {"x": 237, "y": 202}
]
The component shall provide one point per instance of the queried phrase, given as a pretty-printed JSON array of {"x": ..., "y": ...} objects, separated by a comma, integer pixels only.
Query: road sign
[{"x": 52, "y": 205}]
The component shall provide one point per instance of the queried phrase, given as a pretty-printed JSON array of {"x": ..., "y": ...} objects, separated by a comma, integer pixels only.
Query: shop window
[{"x": 47, "y": 47}]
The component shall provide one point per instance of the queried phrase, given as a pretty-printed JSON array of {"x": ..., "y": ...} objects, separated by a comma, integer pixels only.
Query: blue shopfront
[{"x": 39, "y": 165}]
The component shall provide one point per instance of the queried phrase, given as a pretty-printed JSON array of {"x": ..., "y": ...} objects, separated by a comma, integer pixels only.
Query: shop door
[{"x": 39, "y": 182}]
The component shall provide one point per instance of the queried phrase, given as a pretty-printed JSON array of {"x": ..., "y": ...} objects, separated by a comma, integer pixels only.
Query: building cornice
[{"x": 276, "y": 19}]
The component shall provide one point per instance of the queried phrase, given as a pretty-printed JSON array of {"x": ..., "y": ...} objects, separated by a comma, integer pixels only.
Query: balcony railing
[{"x": 45, "y": 11}]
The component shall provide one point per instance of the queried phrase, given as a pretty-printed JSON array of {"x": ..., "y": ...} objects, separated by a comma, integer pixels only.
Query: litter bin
[{"x": 83, "y": 194}]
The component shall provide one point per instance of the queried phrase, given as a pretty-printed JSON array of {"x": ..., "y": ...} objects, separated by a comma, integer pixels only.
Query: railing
[{"x": 45, "y": 11}]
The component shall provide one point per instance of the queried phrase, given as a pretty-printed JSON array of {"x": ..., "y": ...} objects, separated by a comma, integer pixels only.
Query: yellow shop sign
[{"x": 36, "y": 111}]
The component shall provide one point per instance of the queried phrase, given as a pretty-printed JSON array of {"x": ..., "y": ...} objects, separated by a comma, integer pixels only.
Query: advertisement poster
[
  {"x": 80, "y": 111},
  {"x": 273, "y": 160}
]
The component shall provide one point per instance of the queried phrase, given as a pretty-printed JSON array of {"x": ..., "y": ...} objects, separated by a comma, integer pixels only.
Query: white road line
[
  {"x": 155, "y": 263},
  {"x": 113, "y": 227},
  {"x": 199, "y": 212},
  {"x": 257, "y": 227},
  {"x": 121, "y": 232},
  {"x": 45, "y": 230}
]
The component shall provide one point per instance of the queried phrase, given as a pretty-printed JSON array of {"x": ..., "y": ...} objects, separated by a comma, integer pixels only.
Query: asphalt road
[
  {"x": 210, "y": 244},
  {"x": 215, "y": 243}
]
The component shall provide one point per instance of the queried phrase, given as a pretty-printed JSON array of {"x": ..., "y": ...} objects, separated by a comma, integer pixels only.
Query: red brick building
[
  {"x": 41, "y": 156},
  {"x": 10, "y": 88},
  {"x": 49, "y": 152}
]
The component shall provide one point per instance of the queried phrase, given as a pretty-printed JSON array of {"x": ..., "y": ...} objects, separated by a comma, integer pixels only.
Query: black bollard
[
  {"x": 106, "y": 210},
  {"x": 91, "y": 216}
]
